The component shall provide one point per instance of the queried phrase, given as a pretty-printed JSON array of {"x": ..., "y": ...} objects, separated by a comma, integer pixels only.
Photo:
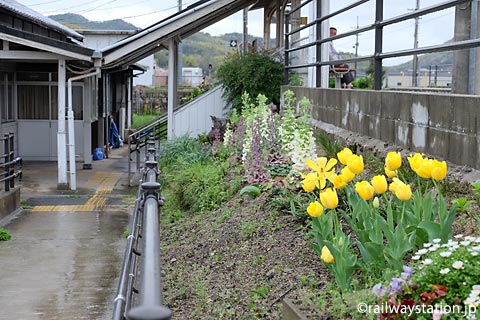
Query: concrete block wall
[{"x": 445, "y": 126}]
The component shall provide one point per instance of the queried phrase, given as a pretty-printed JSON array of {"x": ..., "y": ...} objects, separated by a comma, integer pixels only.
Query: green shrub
[
  {"x": 4, "y": 235},
  {"x": 252, "y": 73},
  {"x": 181, "y": 151},
  {"x": 199, "y": 187}
]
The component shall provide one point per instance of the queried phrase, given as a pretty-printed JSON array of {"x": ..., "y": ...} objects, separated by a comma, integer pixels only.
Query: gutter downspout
[{"x": 71, "y": 127}]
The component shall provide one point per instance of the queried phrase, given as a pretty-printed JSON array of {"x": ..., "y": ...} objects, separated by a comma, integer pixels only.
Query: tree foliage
[{"x": 252, "y": 73}]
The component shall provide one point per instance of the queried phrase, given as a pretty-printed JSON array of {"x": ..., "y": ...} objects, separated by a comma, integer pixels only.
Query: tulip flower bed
[
  {"x": 387, "y": 220},
  {"x": 382, "y": 233}
]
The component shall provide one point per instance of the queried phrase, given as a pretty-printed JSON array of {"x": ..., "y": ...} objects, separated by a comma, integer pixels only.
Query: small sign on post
[{"x": 233, "y": 43}]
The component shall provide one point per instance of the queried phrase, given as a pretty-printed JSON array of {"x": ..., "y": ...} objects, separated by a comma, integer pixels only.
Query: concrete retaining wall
[
  {"x": 9, "y": 201},
  {"x": 441, "y": 125}
]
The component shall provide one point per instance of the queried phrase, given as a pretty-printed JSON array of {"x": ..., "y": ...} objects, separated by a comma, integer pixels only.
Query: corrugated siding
[{"x": 194, "y": 118}]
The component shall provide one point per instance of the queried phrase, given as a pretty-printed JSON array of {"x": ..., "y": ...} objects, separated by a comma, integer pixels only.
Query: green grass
[
  {"x": 5, "y": 235},
  {"x": 139, "y": 121}
]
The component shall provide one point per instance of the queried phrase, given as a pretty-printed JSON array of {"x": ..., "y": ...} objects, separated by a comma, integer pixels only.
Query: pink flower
[{"x": 437, "y": 314}]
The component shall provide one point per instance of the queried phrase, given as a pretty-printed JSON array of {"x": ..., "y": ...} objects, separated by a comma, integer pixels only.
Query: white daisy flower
[
  {"x": 465, "y": 243},
  {"x": 445, "y": 254},
  {"x": 427, "y": 261},
  {"x": 458, "y": 265},
  {"x": 416, "y": 257},
  {"x": 436, "y": 240},
  {"x": 422, "y": 251},
  {"x": 458, "y": 236},
  {"x": 445, "y": 271},
  {"x": 427, "y": 244}
]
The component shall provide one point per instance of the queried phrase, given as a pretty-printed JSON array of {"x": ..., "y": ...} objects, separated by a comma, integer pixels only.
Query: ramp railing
[
  {"x": 139, "y": 289},
  {"x": 10, "y": 162}
]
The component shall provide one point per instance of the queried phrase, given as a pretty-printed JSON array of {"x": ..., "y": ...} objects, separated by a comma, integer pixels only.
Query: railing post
[
  {"x": 150, "y": 307},
  {"x": 6, "y": 157},
  {"x": 11, "y": 157},
  {"x": 318, "y": 46},
  {"x": 378, "y": 45}
]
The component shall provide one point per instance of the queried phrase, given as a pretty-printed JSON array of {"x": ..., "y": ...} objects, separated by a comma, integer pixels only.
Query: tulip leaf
[
  {"x": 252, "y": 191},
  {"x": 433, "y": 229}
]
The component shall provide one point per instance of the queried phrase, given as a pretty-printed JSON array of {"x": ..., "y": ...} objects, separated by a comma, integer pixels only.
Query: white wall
[
  {"x": 194, "y": 118},
  {"x": 98, "y": 39}
]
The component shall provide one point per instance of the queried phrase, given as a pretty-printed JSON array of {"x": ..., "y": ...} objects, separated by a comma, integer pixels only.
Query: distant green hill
[
  {"x": 78, "y": 22},
  {"x": 202, "y": 49}
]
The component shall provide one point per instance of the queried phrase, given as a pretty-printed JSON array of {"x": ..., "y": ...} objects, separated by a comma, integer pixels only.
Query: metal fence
[
  {"x": 10, "y": 162},
  {"x": 139, "y": 290},
  {"x": 378, "y": 55}
]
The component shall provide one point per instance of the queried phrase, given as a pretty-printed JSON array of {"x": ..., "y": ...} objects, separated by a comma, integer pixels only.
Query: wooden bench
[{"x": 338, "y": 73}]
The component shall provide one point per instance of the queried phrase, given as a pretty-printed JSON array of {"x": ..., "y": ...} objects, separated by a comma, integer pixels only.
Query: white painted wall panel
[{"x": 194, "y": 118}]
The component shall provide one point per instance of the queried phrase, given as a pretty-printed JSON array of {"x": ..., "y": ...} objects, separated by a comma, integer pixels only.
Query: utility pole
[
  {"x": 356, "y": 49},
  {"x": 415, "y": 46},
  {"x": 245, "y": 31},
  {"x": 180, "y": 54}
]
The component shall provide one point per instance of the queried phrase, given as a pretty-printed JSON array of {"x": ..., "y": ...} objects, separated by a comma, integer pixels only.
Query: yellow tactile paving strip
[{"x": 105, "y": 182}]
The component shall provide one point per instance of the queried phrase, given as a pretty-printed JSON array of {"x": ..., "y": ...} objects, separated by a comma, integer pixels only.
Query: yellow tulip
[
  {"x": 439, "y": 170},
  {"x": 344, "y": 155},
  {"x": 394, "y": 185},
  {"x": 326, "y": 255},
  {"x": 425, "y": 169},
  {"x": 364, "y": 190},
  {"x": 415, "y": 161},
  {"x": 347, "y": 174},
  {"x": 380, "y": 184},
  {"x": 339, "y": 182},
  {"x": 325, "y": 169},
  {"x": 329, "y": 198},
  {"x": 315, "y": 209},
  {"x": 403, "y": 192},
  {"x": 355, "y": 164},
  {"x": 391, "y": 174},
  {"x": 393, "y": 161},
  {"x": 309, "y": 182}
]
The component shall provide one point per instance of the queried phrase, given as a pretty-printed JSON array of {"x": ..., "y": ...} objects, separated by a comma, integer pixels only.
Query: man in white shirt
[{"x": 347, "y": 78}]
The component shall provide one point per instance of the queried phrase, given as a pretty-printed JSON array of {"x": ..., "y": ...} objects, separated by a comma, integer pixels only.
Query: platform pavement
[{"x": 66, "y": 250}]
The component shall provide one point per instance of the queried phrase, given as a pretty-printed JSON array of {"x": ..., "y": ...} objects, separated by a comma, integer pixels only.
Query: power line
[
  {"x": 101, "y": 5},
  {"x": 39, "y": 4},
  {"x": 76, "y": 6}
]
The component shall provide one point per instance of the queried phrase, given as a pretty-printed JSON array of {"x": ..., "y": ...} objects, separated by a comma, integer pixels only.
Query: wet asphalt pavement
[{"x": 64, "y": 264}]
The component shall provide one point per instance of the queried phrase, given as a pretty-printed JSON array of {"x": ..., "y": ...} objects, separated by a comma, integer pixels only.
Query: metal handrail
[
  {"x": 144, "y": 243},
  {"x": 378, "y": 55},
  {"x": 138, "y": 140},
  {"x": 10, "y": 162}
]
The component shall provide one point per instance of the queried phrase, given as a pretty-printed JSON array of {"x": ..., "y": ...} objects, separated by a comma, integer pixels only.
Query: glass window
[
  {"x": 32, "y": 76},
  {"x": 33, "y": 102},
  {"x": 6, "y": 97},
  {"x": 77, "y": 102}
]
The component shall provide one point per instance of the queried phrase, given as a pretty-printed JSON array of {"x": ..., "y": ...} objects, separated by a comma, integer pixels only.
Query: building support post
[
  {"x": 61, "y": 133},
  {"x": 378, "y": 45},
  {"x": 129, "y": 103},
  {"x": 87, "y": 124},
  {"x": 172, "y": 86},
  {"x": 460, "y": 72}
]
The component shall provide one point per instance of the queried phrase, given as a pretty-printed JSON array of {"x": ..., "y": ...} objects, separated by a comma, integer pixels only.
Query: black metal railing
[
  {"x": 10, "y": 162},
  {"x": 139, "y": 289},
  {"x": 137, "y": 141},
  {"x": 378, "y": 55}
]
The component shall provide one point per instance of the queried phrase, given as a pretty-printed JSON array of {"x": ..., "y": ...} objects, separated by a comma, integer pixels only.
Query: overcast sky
[{"x": 434, "y": 28}]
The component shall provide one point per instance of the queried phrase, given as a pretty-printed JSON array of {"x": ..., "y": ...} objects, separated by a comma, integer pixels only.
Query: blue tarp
[{"x": 115, "y": 139}]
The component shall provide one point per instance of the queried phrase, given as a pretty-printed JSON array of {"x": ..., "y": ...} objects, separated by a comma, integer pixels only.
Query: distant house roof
[{"x": 32, "y": 15}]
